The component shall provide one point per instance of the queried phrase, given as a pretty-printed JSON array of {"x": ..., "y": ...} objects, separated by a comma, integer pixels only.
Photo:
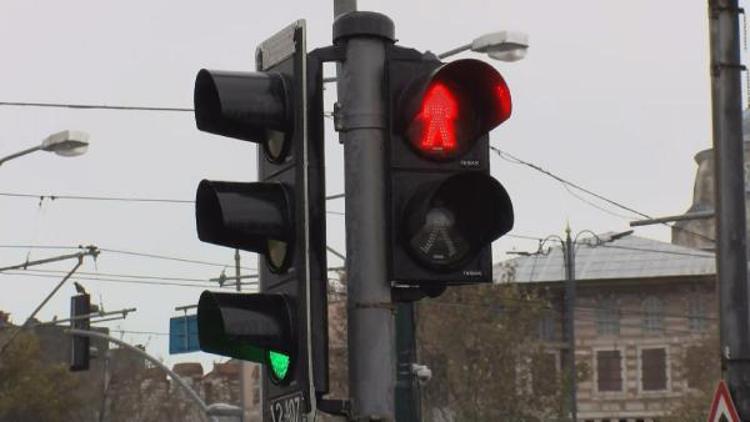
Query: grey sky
[{"x": 612, "y": 95}]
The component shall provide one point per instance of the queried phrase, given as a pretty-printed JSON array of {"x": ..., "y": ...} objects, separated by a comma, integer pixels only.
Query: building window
[
  {"x": 548, "y": 326},
  {"x": 609, "y": 370},
  {"x": 653, "y": 315},
  {"x": 697, "y": 320},
  {"x": 654, "y": 369},
  {"x": 608, "y": 318}
]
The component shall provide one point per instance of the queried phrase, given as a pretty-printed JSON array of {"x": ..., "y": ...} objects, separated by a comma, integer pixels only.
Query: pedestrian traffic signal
[
  {"x": 281, "y": 217},
  {"x": 80, "y": 351},
  {"x": 445, "y": 208}
]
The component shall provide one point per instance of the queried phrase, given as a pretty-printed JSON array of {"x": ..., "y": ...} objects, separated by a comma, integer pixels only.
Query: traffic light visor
[
  {"x": 253, "y": 106},
  {"x": 448, "y": 222},
  {"x": 457, "y": 104},
  {"x": 245, "y": 326},
  {"x": 256, "y": 217}
]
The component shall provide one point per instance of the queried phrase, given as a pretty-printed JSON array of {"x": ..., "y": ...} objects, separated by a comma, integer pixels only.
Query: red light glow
[
  {"x": 503, "y": 96},
  {"x": 439, "y": 111}
]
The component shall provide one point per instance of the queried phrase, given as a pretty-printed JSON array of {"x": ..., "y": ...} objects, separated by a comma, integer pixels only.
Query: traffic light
[
  {"x": 281, "y": 217},
  {"x": 80, "y": 352},
  {"x": 445, "y": 208}
]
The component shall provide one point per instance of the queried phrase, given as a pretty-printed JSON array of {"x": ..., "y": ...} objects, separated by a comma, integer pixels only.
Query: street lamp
[
  {"x": 506, "y": 46},
  {"x": 68, "y": 143},
  {"x": 569, "y": 246}
]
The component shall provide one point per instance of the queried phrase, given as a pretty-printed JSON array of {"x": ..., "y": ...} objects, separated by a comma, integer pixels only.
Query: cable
[
  {"x": 590, "y": 203},
  {"x": 135, "y": 276},
  {"x": 629, "y": 248},
  {"x": 515, "y": 160},
  {"x": 95, "y": 198},
  {"x": 91, "y": 106},
  {"x": 110, "y": 198},
  {"x": 29, "y": 273},
  {"x": 169, "y": 258}
]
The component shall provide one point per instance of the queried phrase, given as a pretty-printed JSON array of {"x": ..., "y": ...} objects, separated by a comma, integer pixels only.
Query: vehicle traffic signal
[
  {"x": 80, "y": 352},
  {"x": 445, "y": 208},
  {"x": 281, "y": 217}
]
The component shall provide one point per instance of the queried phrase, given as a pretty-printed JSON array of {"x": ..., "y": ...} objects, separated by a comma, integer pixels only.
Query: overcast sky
[{"x": 613, "y": 96}]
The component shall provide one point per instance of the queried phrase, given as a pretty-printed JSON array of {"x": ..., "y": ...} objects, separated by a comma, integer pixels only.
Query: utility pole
[
  {"x": 731, "y": 259},
  {"x": 570, "y": 322},
  {"x": 363, "y": 36}
]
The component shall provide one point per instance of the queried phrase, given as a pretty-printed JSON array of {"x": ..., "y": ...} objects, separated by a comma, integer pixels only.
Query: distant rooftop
[{"x": 628, "y": 257}]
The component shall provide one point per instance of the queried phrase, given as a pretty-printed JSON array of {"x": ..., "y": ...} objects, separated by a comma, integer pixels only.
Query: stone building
[{"x": 644, "y": 308}]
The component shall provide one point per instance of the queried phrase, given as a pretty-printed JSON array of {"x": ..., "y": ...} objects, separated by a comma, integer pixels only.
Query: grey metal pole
[
  {"x": 191, "y": 393},
  {"x": 731, "y": 259},
  {"x": 570, "y": 336},
  {"x": 371, "y": 334}
]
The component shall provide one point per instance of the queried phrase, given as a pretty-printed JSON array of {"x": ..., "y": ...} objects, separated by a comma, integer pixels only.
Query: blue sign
[{"x": 183, "y": 334}]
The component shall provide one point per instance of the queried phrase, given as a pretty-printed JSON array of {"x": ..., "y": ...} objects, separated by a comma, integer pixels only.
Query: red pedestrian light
[{"x": 438, "y": 116}]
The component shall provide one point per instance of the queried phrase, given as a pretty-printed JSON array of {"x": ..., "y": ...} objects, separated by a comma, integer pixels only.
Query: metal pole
[
  {"x": 570, "y": 336},
  {"x": 191, "y": 393},
  {"x": 408, "y": 403},
  {"x": 243, "y": 364},
  {"x": 731, "y": 259},
  {"x": 371, "y": 333}
]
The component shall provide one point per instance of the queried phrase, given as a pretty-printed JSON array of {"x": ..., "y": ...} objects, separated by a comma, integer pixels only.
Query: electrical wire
[
  {"x": 168, "y": 258},
  {"x": 515, "y": 160},
  {"x": 134, "y": 276},
  {"x": 53, "y": 197},
  {"x": 94, "y": 198},
  {"x": 30, "y": 273},
  {"x": 92, "y": 106}
]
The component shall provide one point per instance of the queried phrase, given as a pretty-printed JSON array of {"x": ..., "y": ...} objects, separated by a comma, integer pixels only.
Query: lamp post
[
  {"x": 68, "y": 143},
  {"x": 569, "y": 246}
]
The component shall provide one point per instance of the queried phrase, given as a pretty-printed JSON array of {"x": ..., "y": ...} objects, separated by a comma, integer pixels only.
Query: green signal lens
[{"x": 279, "y": 365}]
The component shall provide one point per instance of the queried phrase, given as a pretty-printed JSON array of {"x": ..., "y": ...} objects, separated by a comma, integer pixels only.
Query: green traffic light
[{"x": 279, "y": 365}]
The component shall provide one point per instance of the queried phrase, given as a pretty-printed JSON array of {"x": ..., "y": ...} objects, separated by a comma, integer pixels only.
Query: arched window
[
  {"x": 608, "y": 317},
  {"x": 653, "y": 315}
]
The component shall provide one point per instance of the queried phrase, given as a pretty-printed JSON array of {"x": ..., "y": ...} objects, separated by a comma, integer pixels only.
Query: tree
[
  {"x": 482, "y": 344},
  {"x": 701, "y": 370},
  {"x": 33, "y": 391}
]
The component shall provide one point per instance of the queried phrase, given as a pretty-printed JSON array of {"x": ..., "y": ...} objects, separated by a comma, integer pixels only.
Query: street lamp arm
[
  {"x": 20, "y": 153},
  {"x": 454, "y": 51}
]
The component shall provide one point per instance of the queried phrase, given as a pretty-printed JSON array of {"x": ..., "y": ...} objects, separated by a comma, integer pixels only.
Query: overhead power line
[
  {"x": 515, "y": 160},
  {"x": 53, "y": 197},
  {"x": 95, "y": 198},
  {"x": 93, "y": 106},
  {"x": 168, "y": 258}
]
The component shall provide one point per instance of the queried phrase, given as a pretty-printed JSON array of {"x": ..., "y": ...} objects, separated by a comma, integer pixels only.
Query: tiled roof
[{"x": 628, "y": 257}]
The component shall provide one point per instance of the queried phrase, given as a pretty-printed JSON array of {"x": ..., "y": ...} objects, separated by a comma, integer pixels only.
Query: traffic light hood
[
  {"x": 245, "y": 216},
  {"x": 245, "y": 326},
  {"x": 243, "y": 105}
]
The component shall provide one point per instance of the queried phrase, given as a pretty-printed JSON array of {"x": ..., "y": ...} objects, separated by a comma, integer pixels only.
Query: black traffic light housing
[
  {"x": 281, "y": 216},
  {"x": 80, "y": 351},
  {"x": 445, "y": 208}
]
